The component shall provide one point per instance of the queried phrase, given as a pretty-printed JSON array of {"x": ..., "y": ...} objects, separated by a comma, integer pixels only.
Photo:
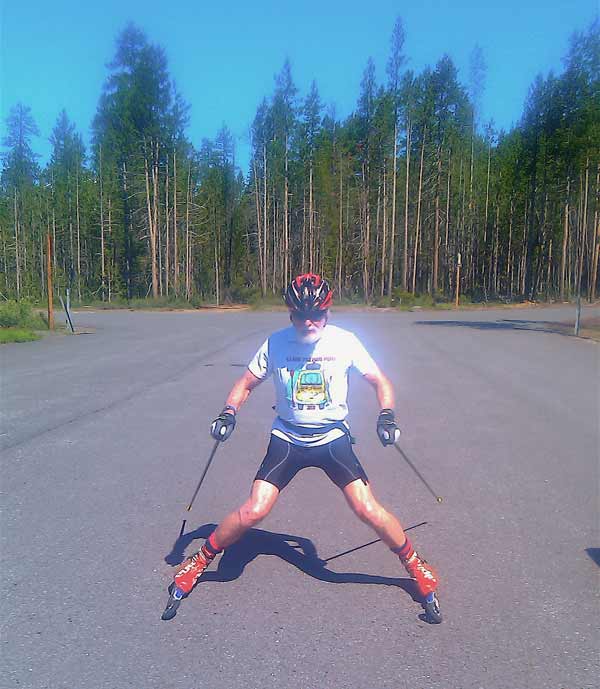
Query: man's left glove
[
  {"x": 222, "y": 427},
  {"x": 387, "y": 430}
]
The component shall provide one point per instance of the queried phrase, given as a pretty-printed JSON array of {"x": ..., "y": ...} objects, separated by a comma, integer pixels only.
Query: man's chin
[{"x": 308, "y": 338}]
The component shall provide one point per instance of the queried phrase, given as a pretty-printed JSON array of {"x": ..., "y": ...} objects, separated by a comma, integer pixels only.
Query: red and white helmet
[{"x": 308, "y": 292}]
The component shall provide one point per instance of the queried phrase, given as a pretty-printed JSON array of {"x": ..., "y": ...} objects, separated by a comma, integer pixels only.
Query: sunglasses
[{"x": 314, "y": 316}]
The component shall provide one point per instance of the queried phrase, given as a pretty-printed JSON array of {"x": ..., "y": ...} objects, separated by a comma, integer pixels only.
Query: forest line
[{"x": 385, "y": 203}]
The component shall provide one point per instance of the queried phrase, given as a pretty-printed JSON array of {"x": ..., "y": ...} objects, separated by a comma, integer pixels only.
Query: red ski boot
[
  {"x": 426, "y": 580},
  {"x": 422, "y": 574},
  {"x": 192, "y": 570},
  {"x": 185, "y": 579}
]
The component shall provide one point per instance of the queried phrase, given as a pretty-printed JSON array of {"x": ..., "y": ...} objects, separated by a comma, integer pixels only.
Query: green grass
[
  {"x": 18, "y": 321},
  {"x": 251, "y": 297},
  {"x": 17, "y": 335},
  {"x": 139, "y": 303}
]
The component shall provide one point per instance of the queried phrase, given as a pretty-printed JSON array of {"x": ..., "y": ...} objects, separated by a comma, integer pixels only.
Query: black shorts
[{"x": 284, "y": 460}]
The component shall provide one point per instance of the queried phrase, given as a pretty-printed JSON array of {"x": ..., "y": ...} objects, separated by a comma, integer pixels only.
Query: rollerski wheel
[
  {"x": 432, "y": 609},
  {"x": 175, "y": 597}
]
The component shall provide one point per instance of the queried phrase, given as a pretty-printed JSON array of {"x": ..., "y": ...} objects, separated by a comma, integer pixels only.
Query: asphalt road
[{"x": 105, "y": 436}]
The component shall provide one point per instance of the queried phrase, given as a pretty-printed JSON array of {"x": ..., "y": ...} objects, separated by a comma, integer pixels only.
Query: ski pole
[
  {"x": 417, "y": 472},
  {"x": 210, "y": 459}
]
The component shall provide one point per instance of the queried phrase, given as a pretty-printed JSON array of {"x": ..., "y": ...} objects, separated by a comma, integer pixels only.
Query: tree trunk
[
  {"x": 127, "y": 229},
  {"x": 274, "y": 241},
  {"x": 486, "y": 213},
  {"x": 373, "y": 287},
  {"x": 563, "y": 262},
  {"x": 175, "y": 230},
  {"x": 509, "y": 261},
  {"x": 17, "y": 257},
  {"x": 78, "y": 234},
  {"x": 155, "y": 208},
  {"x": 447, "y": 224},
  {"x": 54, "y": 258},
  {"x": 102, "y": 250},
  {"x": 6, "y": 282},
  {"x": 436, "y": 231},
  {"x": 113, "y": 261},
  {"x": 472, "y": 258},
  {"x": 418, "y": 227},
  {"x": 583, "y": 226},
  {"x": 217, "y": 278},
  {"x": 286, "y": 232},
  {"x": 393, "y": 225},
  {"x": 406, "y": 206},
  {"x": 303, "y": 250},
  {"x": 523, "y": 262},
  {"x": 152, "y": 235},
  {"x": 167, "y": 233},
  {"x": 596, "y": 239},
  {"x": 549, "y": 271},
  {"x": 188, "y": 248},
  {"x": 366, "y": 233},
  {"x": 340, "y": 254},
  {"x": 259, "y": 237},
  {"x": 311, "y": 238},
  {"x": 384, "y": 233},
  {"x": 263, "y": 277},
  {"x": 50, "y": 290},
  {"x": 496, "y": 249},
  {"x": 71, "y": 250}
]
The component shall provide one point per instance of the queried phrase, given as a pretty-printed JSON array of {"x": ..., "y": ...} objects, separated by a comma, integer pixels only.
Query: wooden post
[
  {"x": 49, "y": 276},
  {"x": 457, "y": 281}
]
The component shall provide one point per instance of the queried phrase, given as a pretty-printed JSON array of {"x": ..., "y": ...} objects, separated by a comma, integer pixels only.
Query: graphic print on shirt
[{"x": 308, "y": 387}]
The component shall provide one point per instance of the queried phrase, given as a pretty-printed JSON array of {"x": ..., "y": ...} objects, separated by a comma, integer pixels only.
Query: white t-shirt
[{"x": 311, "y": 380}]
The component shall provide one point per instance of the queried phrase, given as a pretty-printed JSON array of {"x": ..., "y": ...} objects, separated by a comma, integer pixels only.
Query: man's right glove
[
  {"x": 222, "y": 427},
  {"x": 387, "y": 430}
]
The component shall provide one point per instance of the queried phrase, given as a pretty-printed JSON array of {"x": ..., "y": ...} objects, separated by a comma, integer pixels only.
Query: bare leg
[
  {"x": 364, "y": 504},
  {"x": 263, "y": 497}
]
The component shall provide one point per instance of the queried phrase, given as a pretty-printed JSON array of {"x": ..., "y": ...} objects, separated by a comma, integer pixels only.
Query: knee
[
  {"x": 253, "y": 512},
  {"x": 370, "y": 512}
]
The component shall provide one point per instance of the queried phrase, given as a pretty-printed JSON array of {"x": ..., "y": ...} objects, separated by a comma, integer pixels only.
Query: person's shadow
[{"x": 296, "y": 550}]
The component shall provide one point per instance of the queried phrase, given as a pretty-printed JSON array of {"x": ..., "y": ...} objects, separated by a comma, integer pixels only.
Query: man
[{"x": 309, "y": 363}]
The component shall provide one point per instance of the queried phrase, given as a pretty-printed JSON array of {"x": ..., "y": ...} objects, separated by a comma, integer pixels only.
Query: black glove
[
  {"x": 387, "y": 430},
  {"x": 222, "y": 427}
]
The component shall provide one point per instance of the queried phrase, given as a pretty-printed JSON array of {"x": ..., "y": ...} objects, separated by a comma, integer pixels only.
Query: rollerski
[{"x": 176, "y": 595}]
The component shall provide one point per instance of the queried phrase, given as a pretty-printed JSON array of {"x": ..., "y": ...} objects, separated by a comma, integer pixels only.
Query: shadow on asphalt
[
  {"x": 594, "y": 553},
  {"x": 296, "y": 550},
  {"x": 508, "y": 324}
]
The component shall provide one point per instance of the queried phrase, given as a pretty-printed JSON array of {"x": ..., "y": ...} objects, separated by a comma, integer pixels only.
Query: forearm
[
  {"x": 383, "y": 389},
  {"x": 238, "y": 395},
  {"x": 385, "y": 394},
  {"x": 241, "y": 390}
]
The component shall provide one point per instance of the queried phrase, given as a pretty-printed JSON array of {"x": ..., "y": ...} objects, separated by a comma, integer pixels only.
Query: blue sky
[{"x": 223, "y": 56}]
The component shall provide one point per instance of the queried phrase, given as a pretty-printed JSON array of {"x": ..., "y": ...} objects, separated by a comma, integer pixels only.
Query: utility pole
[{"x": 49, "y": 275}]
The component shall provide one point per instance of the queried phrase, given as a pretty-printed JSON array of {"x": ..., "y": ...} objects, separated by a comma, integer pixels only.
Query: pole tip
[{"x": 439, "y": 498}]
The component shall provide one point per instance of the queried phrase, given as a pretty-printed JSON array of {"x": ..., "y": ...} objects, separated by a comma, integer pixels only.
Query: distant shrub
[
  {"x": 402, "y": 298},
  {"x": 241, "y": 294},
  {"x": 269, "y": 301},
  {"x": 382, "y": 302},
  {"x": 19, "y": 313},
  {"x": 406, "y": 300}
]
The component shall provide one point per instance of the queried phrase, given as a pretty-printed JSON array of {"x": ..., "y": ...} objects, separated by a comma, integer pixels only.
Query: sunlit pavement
[{"x": 105, "y": 436}]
